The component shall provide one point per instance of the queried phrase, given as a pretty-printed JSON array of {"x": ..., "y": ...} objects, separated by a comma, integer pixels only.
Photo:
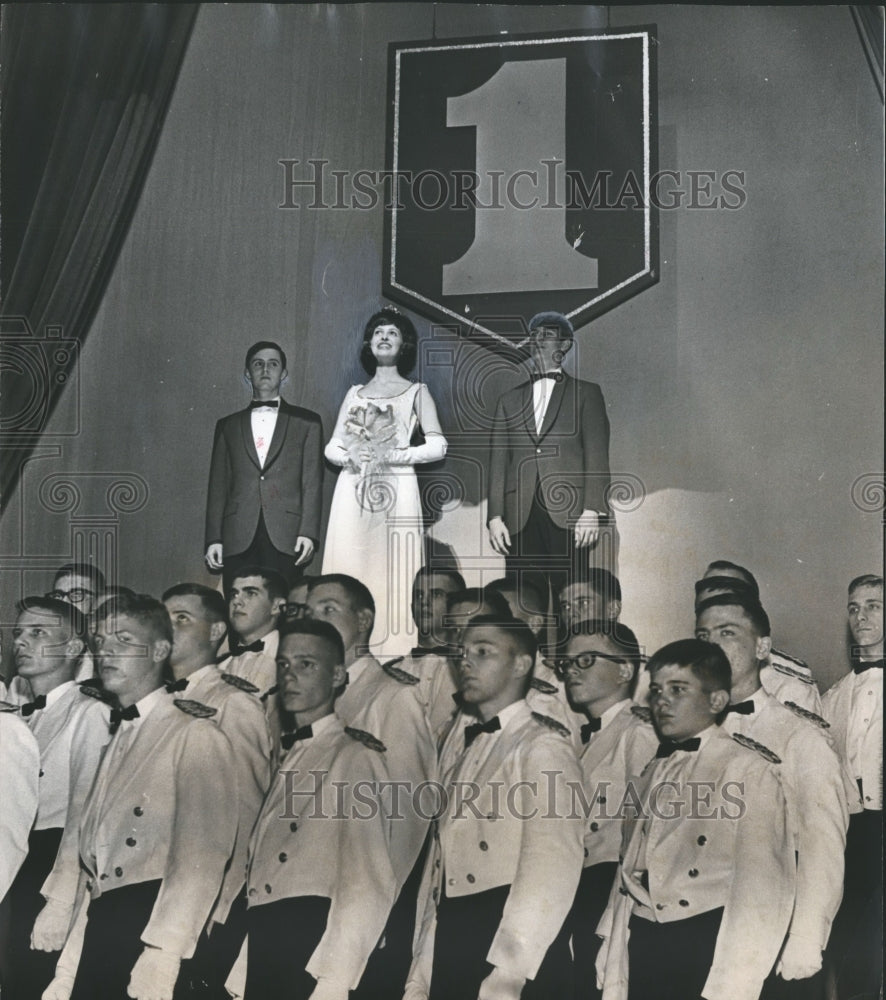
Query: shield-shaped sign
[{"x": 521, "y": 174}]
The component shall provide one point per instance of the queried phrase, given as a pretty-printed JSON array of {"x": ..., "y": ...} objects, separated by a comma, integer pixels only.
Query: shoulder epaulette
[
  {"x": 544, "y": 687},
  {"x": 195, "y": 708},
  {"x": 92, "y": 689},
  {"x": 546, "y": 720},
  {"x": 642, "y": 712},
  {"x": 804, "y": 713},
  {"x": 750, "y": 744},
  {"x": 271, "y": 691},
  {"x": 783, "y": 668},
  {"x": 402, "y": 676},
  {"x": 7, "y": 706},
  {"x": 240, "y": 683},
  {"x": 367, "y": 739},
  {"x": 791, "y": 659}
]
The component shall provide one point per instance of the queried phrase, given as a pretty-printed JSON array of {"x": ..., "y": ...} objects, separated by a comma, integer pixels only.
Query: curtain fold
[{"x": 85, "y": 89}]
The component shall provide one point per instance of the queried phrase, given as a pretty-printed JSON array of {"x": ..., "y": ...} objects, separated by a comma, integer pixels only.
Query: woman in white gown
[{"x": 375, "y": 523}]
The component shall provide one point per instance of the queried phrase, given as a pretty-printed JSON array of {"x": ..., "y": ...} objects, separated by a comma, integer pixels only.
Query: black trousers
[
  {"x": 281, "y": 937},
  {"x": 854, "y": 953},
  {"x": 671, "y": 961},
  {"x": 466, "y": 927},
  {"x": 28, "y": 972},
  {"x": 591, "y": 898},
  {"x": 112, "y": 942},
  {"x": 203, "y": 976},
  {"x": 261, "y": 552}
]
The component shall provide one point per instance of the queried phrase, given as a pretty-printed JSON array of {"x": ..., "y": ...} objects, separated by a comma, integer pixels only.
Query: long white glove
[
  {"x": 329, "y": 989},
  {"x": 154, "y": 974},
  {"x": 432, "y": 450},
  {"x": 800, "y": 958},
  {"x": 501, "y": 985},
  {"x": 60, "y": 988},
  {"x": 51, "y": 926}
]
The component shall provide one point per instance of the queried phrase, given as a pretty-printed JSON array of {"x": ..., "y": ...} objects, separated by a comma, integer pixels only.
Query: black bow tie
[
  {"x": 119, "y": 715},
  {"x": 473, "y": 731},
  {"x": 32, "y": 706},
  {"x": 590, "y": 727},
  {"x": 537, "y": 376},
  {"x": 859, "y": 666},
  {"x": 302, "y": 733},
  {"x": 257, "y": 404},
  {"x": 666, "y": 749},
  {"x": 418, "y": 652},
  {"x": 742, "y": 708},
  {"x": 179, "y": 685},
  {"x": 238, "y": 647}
]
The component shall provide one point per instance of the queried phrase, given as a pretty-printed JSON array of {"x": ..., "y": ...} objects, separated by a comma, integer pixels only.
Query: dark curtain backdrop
[
  {"x": 744, "y": 389},
  {"x": 85, "y": 88}
]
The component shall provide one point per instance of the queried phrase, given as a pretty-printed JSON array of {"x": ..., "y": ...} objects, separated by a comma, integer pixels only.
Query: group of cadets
[{"x": 209, "y": 796}]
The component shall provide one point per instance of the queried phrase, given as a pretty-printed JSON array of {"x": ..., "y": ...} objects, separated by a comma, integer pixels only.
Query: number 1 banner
[{"x": 521, "y": 171}]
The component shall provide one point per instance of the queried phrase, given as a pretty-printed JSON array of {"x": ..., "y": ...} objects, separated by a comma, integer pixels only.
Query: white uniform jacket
[
  {"x": 731, "y": 849},
  {"x": 19, "y": 765},
  {"x": 858, "y": 735},
  {"x": 322, "y": 832}
]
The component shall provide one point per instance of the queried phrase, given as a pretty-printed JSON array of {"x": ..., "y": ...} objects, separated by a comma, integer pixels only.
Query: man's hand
[
  {"x": 501, "y": 985},
  {"x": 153, "y": 975},
  {"x": 304, "y": 549},
  {"x": 499, "y": 536},
  {"x": 60, "y": 988},
  {"x": 800, "y": 958},
  {"x": 51, "y": 926},
  {"x": 587, "y": 529},
  {"x": 213, "y": 556}
]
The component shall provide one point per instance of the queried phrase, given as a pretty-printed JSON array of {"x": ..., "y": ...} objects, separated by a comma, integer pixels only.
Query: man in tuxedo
[
  {"x": 549, "y": 463},
  {"x": 265, "y": 478}
]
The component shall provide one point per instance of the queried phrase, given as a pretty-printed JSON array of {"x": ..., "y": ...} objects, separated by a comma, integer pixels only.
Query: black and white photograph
[{"x": 443, "y": 500}]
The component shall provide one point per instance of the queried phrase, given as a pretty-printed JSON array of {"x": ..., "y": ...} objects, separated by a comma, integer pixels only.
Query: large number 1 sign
[{"x": 511, "y": 157}]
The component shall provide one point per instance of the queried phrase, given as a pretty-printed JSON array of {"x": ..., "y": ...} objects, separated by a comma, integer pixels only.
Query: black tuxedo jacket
[
  {"x": 570, "y": 457},
  {"x": 288, "y": 490}
]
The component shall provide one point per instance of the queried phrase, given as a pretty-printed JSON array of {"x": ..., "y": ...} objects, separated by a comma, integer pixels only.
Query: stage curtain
[{"x": 85, "y": 88}]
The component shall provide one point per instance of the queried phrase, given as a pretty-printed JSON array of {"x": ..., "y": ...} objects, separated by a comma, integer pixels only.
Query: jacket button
[
  {"x": 595, "y": 827},
  {"x": 293, "y": 826},
  {"x": 261, "y": 477},
  {"x": 268, "y": 889},
  {"x": 452, "y": 881},
  {"x": 103, "y": 876},
  {"x": 659, "y": 906},
  {"x": 437, "y": 863},
  {"x": 283, "y": 856},
  {"x": 538, "y": 451},
  {"x": 130, "y": 841},
  {"x": 435, "y": 894},
  {"x": 42, "y": 772},
  {"x": 118, "y": 872},
  {"x": 253, "y": 891},
  {"x": 471, "y": 878},
  {"x": 587, "y": 852},
  {"x": 88, "y": 884},
  {"x": 622, "y": 890},
  {"x": 484, "y": 846},
  {"x": 684, "y": 902},
  {"x": 138, "y": 811},
  {"x": 702, "y": 840},
  {"x": 693, "y": 873}
]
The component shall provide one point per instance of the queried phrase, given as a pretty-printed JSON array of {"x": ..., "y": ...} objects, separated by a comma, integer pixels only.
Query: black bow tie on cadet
[
  {"x": 180, "y": 685},
  {"x": 859, "y": 666},
  {"x": 33, "y": 706},
  {"x": 258, "y": 404},
  {"x": 417, "y": 652},
  {"x": 302, "y": 733},
  {"x": 537, "y": 376},
  {"x": 119, "y": 715},
  {"x": 473, "y": 731},
  {"x": 666, "y": 749},
  {"x": 589, "y": 728},
  {"x": 741, "y": 708},
  {"x": 241, "y": 647}
]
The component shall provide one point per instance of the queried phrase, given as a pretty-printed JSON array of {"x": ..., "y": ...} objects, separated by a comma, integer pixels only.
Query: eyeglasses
[
  {"x": 76, "y": 596},
  {"x": 293, "y": 609},
  {"x": 584, "y": 661}
]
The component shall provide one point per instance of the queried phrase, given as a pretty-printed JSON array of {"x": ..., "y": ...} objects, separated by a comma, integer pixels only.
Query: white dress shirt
[
  {"x": 541, "y": 395},
  {"x": 264, "y": 420}
]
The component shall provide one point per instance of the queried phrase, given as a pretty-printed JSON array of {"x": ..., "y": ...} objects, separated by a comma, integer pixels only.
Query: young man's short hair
[
  {"x": 866, "y": 580},
  {"x": 705, "y": 659},
  {"x": 451, "y": 574},
  {"x": 61, "y": 612},
  {"x": 618, "y": 634},
  {"x": 357, "y": 592},
  {"x": 528, "y": 594},
  {"x": 753, "y": 610},
  {"x": 318, "y": 629},
  {"x": 553, "y": 319},
  {"x": 265, "y": 345},
  {"x": 212, "y": 602},
  {"x": 274, "y": 582},
  {"x": 521, "y": 634},
  {"x": 477, "y": 597},
  {"x": 745, "y": 574},
  {"x": 86, "y": 570},
  {"x": 144, "y": 609}
]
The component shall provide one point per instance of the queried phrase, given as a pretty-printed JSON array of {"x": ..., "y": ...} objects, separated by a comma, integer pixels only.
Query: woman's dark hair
[{"x": 409, "y": 350}]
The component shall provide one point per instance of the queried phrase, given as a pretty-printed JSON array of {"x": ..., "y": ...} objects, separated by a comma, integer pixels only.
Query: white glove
[
  {"x": 329, "y": 989},
  {"x": 432, "y": 450},
  {"x": 60, "y": 988},
  {"x": 154, "y": 974},
  {"x": 800, "y": 958},
  {"x": 51, "y": 926},
  {"x": 501, "y": 985},
  {"x": 336, "y": 452},
  {"x": 414, "y": 991}
]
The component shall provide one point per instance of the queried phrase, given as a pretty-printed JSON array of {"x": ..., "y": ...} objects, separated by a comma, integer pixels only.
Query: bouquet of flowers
[{"x": 370, "y": 437}]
